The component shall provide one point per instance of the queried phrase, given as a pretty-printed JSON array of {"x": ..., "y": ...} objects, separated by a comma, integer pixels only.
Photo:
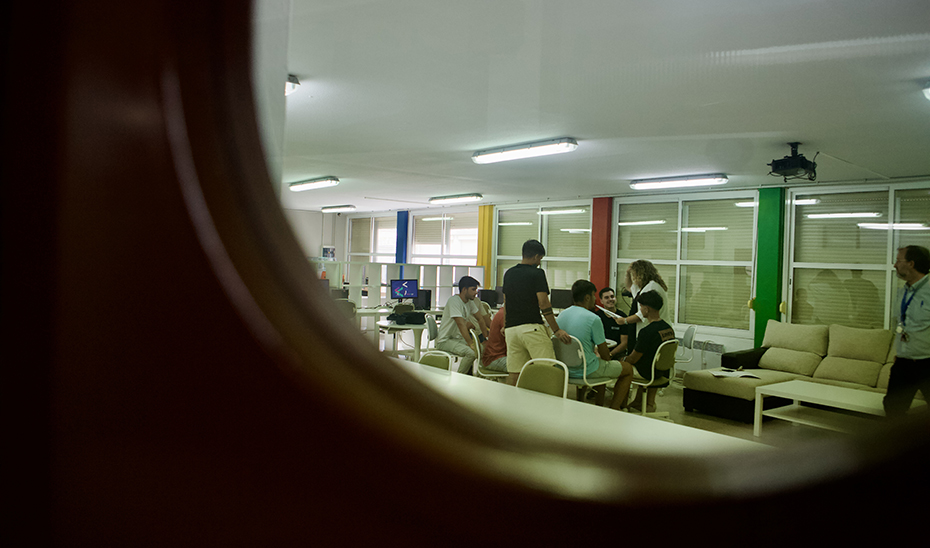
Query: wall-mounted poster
[{"x": 329, "y": 253}]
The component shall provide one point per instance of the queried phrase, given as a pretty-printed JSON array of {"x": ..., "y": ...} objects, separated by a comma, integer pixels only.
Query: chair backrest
[
  {"x": 431, "y": 328},
  {"x": 572, "y": 355},
  {"x": 688, "y": 340},
  {"x": 479, "y": 350},
  {"x": 437, "y": 359},
  {"x": 402, "y": 308},
  {"x": 665, "y": 356},
  {"x": 346, "y": 307},
  {"x": 544, "y": 375}
]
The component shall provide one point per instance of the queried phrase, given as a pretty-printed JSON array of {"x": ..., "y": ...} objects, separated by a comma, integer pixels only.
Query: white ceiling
[{"x": 396, "y": 95}]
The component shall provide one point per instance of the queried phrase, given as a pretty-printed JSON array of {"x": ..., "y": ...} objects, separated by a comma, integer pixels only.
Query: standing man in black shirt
[
  {"x": 526, "y": 295},
  {"x": 614, "y": 328}
]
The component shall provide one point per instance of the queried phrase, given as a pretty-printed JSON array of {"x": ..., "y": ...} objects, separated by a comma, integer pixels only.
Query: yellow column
[{"x": 485, "y": 244}]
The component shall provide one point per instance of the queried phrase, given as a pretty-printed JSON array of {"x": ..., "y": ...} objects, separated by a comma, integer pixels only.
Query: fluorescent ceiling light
[
  {"x": 807, "y": 201},
  {"x": 679, "y": 182},
  {"x": 523, "y": 223},
  {"x": 436, "y": 219},
  {"x": 895, "y": 226},
  {"x": 291, "y": 85},
  {"x": 456, "y": 199},
  {"x": 638, "y": 223},
  {"x": 842, "y": 215},
  {"x": 312, "y": 184},
  {"x": 703, "y": 228},
  {"x": 576, "y": 230},
  {"x": 927, "y": 90},
  {"x": 525, "y": 150},
  {"x": 560, "y": 211},
  {"x": 335, "y": 209},
  {"x": 746, "y": 204}
]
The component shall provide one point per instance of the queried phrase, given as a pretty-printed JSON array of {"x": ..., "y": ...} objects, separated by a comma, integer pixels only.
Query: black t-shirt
[
  {"x": 647, "y": 344},
  {"x": 612, "y": 330},
  {"x": 521, "y": 284}
]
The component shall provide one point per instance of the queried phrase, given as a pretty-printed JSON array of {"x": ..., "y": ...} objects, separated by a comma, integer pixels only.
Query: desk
[
  {"x": 376, "y": 313},
  {"x": 394, "y": 328},
  {"x": 566, "y": 420}
]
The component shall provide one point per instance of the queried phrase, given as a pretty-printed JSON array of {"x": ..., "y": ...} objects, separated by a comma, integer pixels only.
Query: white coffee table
[{"x": 851, "y": 399}]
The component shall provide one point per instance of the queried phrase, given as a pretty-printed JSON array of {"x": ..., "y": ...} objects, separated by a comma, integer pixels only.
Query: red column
[{"x": 601, "y": 214}]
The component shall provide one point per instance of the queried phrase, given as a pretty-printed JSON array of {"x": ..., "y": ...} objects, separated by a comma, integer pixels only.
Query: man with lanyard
[
  {"x": 911, "y": 369},
  {"x": 614, "y": 329},
  {"x": 526, "y": 298}
]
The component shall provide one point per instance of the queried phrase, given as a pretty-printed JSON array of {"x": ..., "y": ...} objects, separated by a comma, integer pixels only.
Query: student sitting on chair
[
  {"x": 495, "y": 350},
  {"x": 656, "y": 332},
  {"x": 453, "y": 336},
  {"x": 614, "y": 328},
  {"x": 582, "y": 323}
]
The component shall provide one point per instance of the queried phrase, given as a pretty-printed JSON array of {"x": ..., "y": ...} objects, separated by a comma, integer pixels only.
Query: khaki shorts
[{"x": 525, "y": 342}]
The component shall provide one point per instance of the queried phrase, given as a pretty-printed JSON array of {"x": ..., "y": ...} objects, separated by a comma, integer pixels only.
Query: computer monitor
[
  {"x": 404, "y": 289},
  {"x": 424, "y": 300},
  {"x": 561, "y": 298},
  {"x": 489, "y": 296}
]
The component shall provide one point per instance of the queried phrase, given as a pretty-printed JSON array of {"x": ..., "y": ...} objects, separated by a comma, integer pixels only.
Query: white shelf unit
[{"x": 375, "y": 279}]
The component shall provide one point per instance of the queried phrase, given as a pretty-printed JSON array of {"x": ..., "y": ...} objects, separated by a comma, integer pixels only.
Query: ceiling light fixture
[
  {"x": 576, "y": 230},
  {"x": 895, "y": 226},
  {"x": 311, "y": 184},
  {"x": 638, "y": 223},
  {"x": 525, "y": 150},
  {"x": 703, "y": 228},
  {"x": 927, "y": 90},
  {"x": 679, "y": 182},
  {"x": 560, "y": 211},
  {"x": 746, "y": 204},
  {"x": 842, "y": 215},
  {"x": 456, "y": 199},
  {"x": 336, "y": 209},
  {"x": 807, "y": 201},
  {"x": 523, "y": 223},
  {"x": 436, "y": 218},
  {"x": 291, "y": 85}
]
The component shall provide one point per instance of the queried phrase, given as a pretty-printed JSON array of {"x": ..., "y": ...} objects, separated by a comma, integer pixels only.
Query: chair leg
[
  {"x": 599, "y": 399},
  {"x": 580, "y": 391}
]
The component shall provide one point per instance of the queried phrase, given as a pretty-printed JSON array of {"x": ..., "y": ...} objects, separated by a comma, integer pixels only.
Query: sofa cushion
[
  {"x": 737, "y": 387},
  {"x": 883, "y": 375},
  {"x": 790, "y": 361},
  {"x": 803, "y": 338},
  {"x": 845, "y": 384},
  {"x": 848, "y": 370},
  {"x": 859, "y": 344}
]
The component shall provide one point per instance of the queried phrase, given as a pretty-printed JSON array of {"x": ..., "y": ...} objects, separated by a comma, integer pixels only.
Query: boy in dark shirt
[
  {"x": 614, "y": 329},
  {"x": 647, "y": 344}
]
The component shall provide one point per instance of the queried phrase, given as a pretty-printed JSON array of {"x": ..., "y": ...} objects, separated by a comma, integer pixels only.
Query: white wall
[{"x": 314, "y": 229}]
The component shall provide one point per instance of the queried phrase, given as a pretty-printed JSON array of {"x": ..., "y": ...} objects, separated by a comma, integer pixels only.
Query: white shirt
[
  {"x": 664, "y": 312},
  {"x": 455, "y": 308}
]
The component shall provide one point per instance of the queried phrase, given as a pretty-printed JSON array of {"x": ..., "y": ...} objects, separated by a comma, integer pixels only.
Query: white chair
[
  {"x": 437, "y": 359},
  {"x": 572, "y": 355},
  {"x": 544, "y": 375},
  {"x": 478, "y": 369},
  {"x": 686, "y": 346},
  {"x": 664, "y": 360}
]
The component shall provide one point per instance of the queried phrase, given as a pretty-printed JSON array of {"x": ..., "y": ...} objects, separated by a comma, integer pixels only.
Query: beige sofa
[{"x": 835, "y": 354}]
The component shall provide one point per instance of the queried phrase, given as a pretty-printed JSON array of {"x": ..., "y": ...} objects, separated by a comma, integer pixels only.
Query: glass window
[
  {"x": 716, "y": 230},
  {"x": 669, "y": 274},
  {"x": 648, "y": 231},
  {"x": 445, "y": 238},
  {"x": 716, "y": 296},
  {"x": 827, "y": 296},
  {"x": 912, "y": 217},
  {"x": 827, "y": 228},
  {"x": 515, "y": 227},
  {"x": 568, "y": 235},
  {"x": 360, "y": 235},
  {"x": 562, "y": 274}
]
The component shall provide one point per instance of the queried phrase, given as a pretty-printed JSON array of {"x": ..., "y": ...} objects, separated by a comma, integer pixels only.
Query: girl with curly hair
[{"x": 642, "y": 276}]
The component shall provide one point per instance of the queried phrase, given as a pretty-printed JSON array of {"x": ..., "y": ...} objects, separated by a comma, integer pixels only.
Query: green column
[{"x": 769, "y": 258}]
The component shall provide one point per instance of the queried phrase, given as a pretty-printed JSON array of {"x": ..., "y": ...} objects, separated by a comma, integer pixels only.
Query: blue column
[{"x": 400, "y": 255}]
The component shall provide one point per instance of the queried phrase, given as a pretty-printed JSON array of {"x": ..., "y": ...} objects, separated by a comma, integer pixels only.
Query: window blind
[
  {"x": 912, "y": 206},
  {"x": 648, "y": 241},
  {"x": 427, "y": 236},
  {"x": 717, "y": 230},
  {"x": 564, "y": 236},
  {"x": 385, "y": 235},
  {"x": 716, "y": 295},
  {"x": 838, "y": 239},
  {"x": 510, "y": 238},
  {"x": 463, "y": 235},
  {"x": 360, "y": 235},
  {"x": 854, "y": 298}
]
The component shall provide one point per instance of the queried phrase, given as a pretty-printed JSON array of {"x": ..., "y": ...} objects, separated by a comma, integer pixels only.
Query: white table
[
  {"x": 376, "y": 313},
  {"x": 566, "y": 420},
  {"x": 393, "y": 329},
  {"x": 850, "y": 399}
]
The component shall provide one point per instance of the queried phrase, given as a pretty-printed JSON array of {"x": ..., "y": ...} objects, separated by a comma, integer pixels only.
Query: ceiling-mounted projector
[{"x": 795, "y": 166}]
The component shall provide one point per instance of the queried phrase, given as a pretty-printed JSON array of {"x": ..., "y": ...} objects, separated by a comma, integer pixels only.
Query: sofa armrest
[{"x": 746, "y": 359}]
